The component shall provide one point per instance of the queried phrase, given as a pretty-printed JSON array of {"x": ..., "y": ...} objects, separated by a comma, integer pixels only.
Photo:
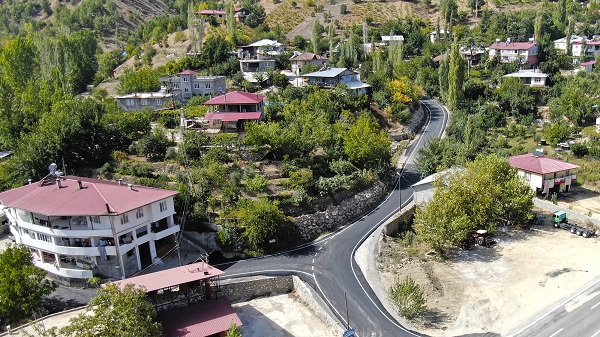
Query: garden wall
[
  {"x": 578, "y": 218},
  {"x": 311, "y": 226}
]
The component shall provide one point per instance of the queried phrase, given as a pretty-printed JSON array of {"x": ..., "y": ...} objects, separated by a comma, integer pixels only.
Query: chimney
[
  {"x": 58, "y": 185},
  {"x": 120, "y": 181},
  {"x": 79, "y": 184},
  {"x": 130, "y": 186},
  {"x": 29, "y": 181}
]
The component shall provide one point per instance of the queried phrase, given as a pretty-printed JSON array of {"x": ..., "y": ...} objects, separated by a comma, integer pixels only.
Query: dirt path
[{"x": 494, "y": 289}]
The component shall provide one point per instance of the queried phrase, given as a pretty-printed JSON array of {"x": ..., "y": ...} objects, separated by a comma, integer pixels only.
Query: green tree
[
  {"x": 573, "y": 103},
  {"x": 557, "y": 133},
  {"x": 317, "y": 31},
  {"x": 366, "y": 145},
  {"x": 154, "y": 146},
  {"x": 408, "y": 297},
  {"x": 262, "y": 221},
  {"x": 456, "y": 76},
  {"x": 143, "y": 80},
  {"x": 116, "y": 312},
  {"x": 234, "y": 331},
  {"x": 22, "y": 286},
  {"x": 432, "y": 156},
  {"x": 487, "y": 190}
]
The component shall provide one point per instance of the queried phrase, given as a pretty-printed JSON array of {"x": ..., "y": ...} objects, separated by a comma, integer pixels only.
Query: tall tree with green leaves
[
  {"x": 366, "y": 145},
  {"x": 456, "y": 76},
  {"x": 477, "y": 197},
  {"x": 316, "y": 32},
  {"x": 231, "y": 24},
  {"x": 22, "y": 286},
  {"x": 116, "y": 311}
]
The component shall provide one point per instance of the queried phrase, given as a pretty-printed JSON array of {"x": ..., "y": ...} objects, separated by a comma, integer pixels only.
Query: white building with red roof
[
  {"x": 519, "y": 52},
  {"x": 188, "y": 83},
  {"x": 80, "y": 227},
  {"x": 544, "y": 174},
  {"x": 229, "y": 112}
]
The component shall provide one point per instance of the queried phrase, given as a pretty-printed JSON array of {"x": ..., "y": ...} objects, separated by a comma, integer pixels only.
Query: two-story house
[
  {"x": 139, "y": 100},
  {"x": 531, "y": 77},
  {"x": 260, "y": 49},
  {"x": 333, "y": 76},
  {"x": 524, "y": 53},
  {"x": 229, "y": 112},
  {"x": 77, "y": 228},
  {"x": 545, "y": 175},
  {"x": 299, "y": 60},
  {"x": 435, "y": 36},
  {"x": 576, "y": 47},
  {"x": 188, "y": 84}
]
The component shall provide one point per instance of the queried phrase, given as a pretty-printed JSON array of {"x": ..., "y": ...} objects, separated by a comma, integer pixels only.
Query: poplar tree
[{"x": 456, "y": 76}]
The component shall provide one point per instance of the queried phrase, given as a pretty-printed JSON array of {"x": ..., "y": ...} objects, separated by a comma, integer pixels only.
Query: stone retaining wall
[
  {"x": 248, "y": 288},
  {"x": 312, "y": 225},
  {"x": 392, "y": 225},
  {"x": 578, "y": 218}
]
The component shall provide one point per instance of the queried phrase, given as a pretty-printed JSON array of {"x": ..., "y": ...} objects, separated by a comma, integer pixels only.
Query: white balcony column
[
  {"x": 153, "y": 253},
  {"x": 137, "y": 257},
  {"x": 40, "y": 255}
]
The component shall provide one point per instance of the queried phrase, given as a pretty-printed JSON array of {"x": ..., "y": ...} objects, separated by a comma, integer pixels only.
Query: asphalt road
[
  {"x": 328, "y": 264},
  {"x": 576, "y": 316}
]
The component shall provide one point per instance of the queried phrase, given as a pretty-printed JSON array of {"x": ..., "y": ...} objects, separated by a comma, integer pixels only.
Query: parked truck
[{"x": 559, "y": 220}]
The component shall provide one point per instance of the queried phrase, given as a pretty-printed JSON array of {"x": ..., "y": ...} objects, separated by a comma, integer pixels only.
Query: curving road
[{"x": 328, "y": 264}]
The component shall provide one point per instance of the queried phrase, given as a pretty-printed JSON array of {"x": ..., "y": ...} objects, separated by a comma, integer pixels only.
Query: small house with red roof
[
  {"x": 588, "y": 66},
  {"x": 525, "y": 53},
  {"x": 77, "y": 227},
  {"x": 229, "y": 112},
  {"x": 188, "y": 300},
  {"x": 216, "y": 13},
  {"x": 544, "y": 174},
  {"x": 188, "y": 83}
]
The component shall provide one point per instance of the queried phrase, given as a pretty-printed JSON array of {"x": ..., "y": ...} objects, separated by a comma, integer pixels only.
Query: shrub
[
  {"x": 105, "y": 169},
  {"x": 179, "y": 37},
  {"x": 579, "y": 149},
  {"x": 408, "y": 297},
  {"x": 341, "y": 167},
  {"x": 257, "y": 184},
  {"x": 301, "y": 178},
  {"x": 343, "y": 9},
  {"x": 119, "y": 156}
]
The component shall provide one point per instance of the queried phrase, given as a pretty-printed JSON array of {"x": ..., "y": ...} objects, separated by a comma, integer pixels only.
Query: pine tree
[
  {"x": 456, "y": 76},
  {"x": 443, "y": 78}
]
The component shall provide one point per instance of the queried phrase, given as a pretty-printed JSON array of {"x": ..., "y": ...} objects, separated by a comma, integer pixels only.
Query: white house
[
  {"x": 299, "y": 60},
  {"x": 525, "y": 53},
  {"x": 530, "y": 77},
  {"x": 332, "y": 77},
  {"x": 79, "y": 227},
  {"x": 544, "y": 175},
  {"x": 588, "y": 66},
  {"x": 188, "y": 84},
  {"x": 260, "y": 48},
  {"x": 424, "y": 189},
  {"x": 576, "y": 44},
  {"x": 139, "y": 100},
  {"x": 434, "y": 36}
]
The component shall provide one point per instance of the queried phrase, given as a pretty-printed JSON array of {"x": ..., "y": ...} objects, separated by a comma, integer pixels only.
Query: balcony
[
  {"x": 65, "y": 250},
  {"x": 71, "y": 271},
  {"x": 166, "y": 232},
  {"x": 573, "y": 177},
  {"x": 559, "y": 180},
  {"x": 62, "y": 230}
]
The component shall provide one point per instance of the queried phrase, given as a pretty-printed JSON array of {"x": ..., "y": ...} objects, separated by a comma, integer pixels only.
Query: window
[
  {"x": 144, "y": 101},
  {"x": 163, "y": 206},
  {"x": 207, "y": 85},
  {"x": 196, "y": 85},
  {"x": 139, "y": 213},
  {"x": 176, "y": 85},
  {"x": 44, "y": 237},
  {"x": 129, "y": 102},
  {"x": 124, "y": 219},
  {"x": 158, "y": 102},
  {"x": 187, "y": 90},
  {"x": 185, "y": 79},
  {"x": 537, "y": 80},
  {"x": 528, "y": 176},
  {"x": 95, "y": 219}
]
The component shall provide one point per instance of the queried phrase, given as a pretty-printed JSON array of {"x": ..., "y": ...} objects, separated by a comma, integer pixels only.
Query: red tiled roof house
[
  {"x": 229, "y": 112},
  {"x": 525, "y": 53},
  {"x": 80, "y": 227},
  {"x": 545, "y": 175}
]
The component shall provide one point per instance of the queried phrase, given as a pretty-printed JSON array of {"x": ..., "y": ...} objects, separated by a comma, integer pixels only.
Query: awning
[{"x": 233, "y": 116}]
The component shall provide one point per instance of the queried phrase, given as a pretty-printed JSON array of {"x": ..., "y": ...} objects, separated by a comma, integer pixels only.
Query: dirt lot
[
  {"x": 495, "y": 289},
  {"x": 582, "y": 200},
  {"x": 280, "y": 316}
]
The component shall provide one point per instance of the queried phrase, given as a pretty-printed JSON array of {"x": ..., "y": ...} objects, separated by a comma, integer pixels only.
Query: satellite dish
[{"x": 52, "y": 168}]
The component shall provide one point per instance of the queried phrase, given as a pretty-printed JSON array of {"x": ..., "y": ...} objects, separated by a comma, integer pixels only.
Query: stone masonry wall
[
  {"x": 247, "y": 288},
  {"x": 391, "y": 226},
  {"x": 312, "y": 225}
]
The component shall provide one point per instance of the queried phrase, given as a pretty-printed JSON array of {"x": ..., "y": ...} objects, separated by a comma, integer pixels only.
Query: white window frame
[
  {"x": 158, "y": 102},
  {"x": 95, "y": 219},
  {"x": 144, "y": 102},
  {"x": 163, "y": 206},
  {"x": 185, "y": 79},
  {"x": 139, "y": 213},
  {"x": 186, "y": 90},
  {"x": 124, "y": 218},
  {"x": 196, "y": 85},
  {"x": 207, "y": 85},
  {"x": 129, "y": 102}
]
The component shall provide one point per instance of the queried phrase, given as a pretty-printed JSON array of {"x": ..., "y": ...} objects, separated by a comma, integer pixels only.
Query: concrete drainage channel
[{"x": 244, "y": 289}]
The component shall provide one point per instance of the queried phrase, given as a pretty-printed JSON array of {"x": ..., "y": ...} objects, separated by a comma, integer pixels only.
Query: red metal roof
[
  {"x": 212, "y": 12},
  {"x": 233, "y": 116},
  {"x": 513, "y": 45},
  {"x": 200, "y": 320},
  {"x": 96, "y": 197},
  {"x": 588, "y": 63},
  {"x": 540, "y": 164},
  {"x": 187, "y": 72},
  {"x": 172, "y": 277},
  {"x": 236, "y": 97}
]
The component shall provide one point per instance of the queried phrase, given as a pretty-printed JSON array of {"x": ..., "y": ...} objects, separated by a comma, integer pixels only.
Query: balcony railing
[
  {"x": 71, "y": 272},
  {"x": 66, "y": 250}
]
